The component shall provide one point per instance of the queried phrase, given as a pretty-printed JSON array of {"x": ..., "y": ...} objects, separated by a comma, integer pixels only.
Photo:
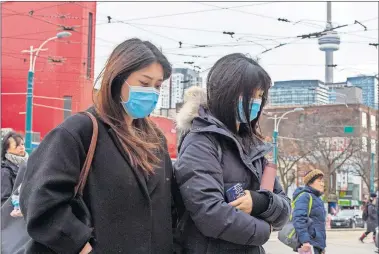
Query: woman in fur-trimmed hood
[{"x": 219, "y": 148}]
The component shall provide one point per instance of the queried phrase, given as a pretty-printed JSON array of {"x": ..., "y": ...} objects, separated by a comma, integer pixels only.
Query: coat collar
[{"x": 137, "y": 172}]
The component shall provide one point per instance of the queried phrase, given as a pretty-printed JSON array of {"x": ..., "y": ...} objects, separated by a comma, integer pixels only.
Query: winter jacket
[
  {"x": 310, "y": 229},
  {"x": 372, "y": 220},
  {"x": 203, "y": 176},
  {"x": 131, "y": 213},
  {"x": 8, "y": 176}
]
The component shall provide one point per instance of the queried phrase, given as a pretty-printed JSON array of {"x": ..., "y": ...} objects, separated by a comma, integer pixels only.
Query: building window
[
  {"x": 301, "y": 118},
  {"x": 373, "y": 122},
  {"x": 89, "y": 46},
  {"x": 364, "y": 144},
  {"x": 67, "y": 106},
  {"x": 373, "y": 146},
  {"x": 364, "y": 120}
]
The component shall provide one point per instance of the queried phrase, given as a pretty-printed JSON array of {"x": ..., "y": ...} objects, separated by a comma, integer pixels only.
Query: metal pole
[
  {"x": 372, "y": 177},
  {"x": 275, "y": 139},
  {"x": 29, "y": 105},
  {"x": 29, "y": 95}
]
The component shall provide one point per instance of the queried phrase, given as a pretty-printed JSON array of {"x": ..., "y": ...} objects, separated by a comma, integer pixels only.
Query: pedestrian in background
[
  {"x": 128, "y": 192},
  {"x": 222, "y": 147},
  {"x": 309, "y": 214},
  {"x": 13, "y": 155},
  {"x": 372, "y": 217}
]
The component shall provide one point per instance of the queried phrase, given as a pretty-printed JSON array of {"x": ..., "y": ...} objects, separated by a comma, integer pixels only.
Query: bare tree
[
  {"x": 287, "y": 171},
  {"x": 330, "y": 149},
  {"x": 361, "y": 162},
  {"x": 289, "y": 157}
]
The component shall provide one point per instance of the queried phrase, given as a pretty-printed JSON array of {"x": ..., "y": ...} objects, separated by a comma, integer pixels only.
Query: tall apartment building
[
  {"x": 299, "y": 92},
  {"x": 370, "y": 90},
  {"x": 355, "y": 90},
  {"x": 172, "y": 90}
]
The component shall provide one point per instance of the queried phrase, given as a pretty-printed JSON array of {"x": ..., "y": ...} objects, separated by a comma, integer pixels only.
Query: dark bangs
[{"x": 233, "y": 76}]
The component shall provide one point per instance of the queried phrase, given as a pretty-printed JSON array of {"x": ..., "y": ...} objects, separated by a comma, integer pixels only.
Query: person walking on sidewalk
[
  {"x": 372, "y": 217},
  {"x": 13, "y": 155},
  {"x": 128, "y": 192},
  {"x": 222, "y": 148},
  {"x": 310, "y": 226}
]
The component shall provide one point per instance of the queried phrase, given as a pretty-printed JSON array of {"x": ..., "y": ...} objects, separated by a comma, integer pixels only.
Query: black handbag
[{"x": 14, "y": 236}]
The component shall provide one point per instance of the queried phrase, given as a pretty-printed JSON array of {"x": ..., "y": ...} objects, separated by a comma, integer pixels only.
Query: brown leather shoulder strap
[{"x": 91, "y": 151}]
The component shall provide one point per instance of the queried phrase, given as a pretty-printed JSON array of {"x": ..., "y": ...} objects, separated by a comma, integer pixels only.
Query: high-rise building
[
  {"x": 177, "y": 89},
  {"x": 164, "y": 97},
  {"x": 370, "y": 90},
  {"x": 299, "y": 92},
  {"x": 172, "y": 90},
  {"x": 191, "y": 77},
  {"x": 342, "y": 93}
]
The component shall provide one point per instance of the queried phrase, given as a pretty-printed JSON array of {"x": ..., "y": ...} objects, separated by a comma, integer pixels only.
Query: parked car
[{"x": 347, "y": 219}]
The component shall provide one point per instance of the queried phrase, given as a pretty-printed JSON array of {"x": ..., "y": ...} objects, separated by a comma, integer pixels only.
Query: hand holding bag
[{"x": 14, "y": 236}]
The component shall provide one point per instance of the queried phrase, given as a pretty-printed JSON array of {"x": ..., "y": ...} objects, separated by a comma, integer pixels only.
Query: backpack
[
  {"x": 288, "y": 234},
  {"x": 365, "y": 213},
  {"x": 180, "y": 215}
]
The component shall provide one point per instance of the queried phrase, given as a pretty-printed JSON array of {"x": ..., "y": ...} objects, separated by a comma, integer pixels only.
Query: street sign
[{"x": 348, "y": 129}]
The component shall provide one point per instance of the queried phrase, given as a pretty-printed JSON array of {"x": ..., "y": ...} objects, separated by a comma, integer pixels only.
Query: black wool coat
[{"x": 130, "y": 213}]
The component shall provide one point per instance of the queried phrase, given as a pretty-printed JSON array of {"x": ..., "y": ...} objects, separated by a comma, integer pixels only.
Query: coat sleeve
[
  {"x": 53, "y": 170},
  {"x": 200, "y": 179},
  {"x": 6, "y": 184},
  {"x": 279, "y": 208},
  {"x": 300, "y": 218}
]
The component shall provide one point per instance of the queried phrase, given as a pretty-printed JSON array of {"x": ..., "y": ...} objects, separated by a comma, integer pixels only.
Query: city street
[{"x": 341, "y": 242}]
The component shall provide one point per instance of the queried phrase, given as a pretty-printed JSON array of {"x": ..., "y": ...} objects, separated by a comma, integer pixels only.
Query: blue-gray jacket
[
  {"x": 312, "y": 231},
  {"x": 372, "y": 220},
  {"x": 214, "y": 225}
]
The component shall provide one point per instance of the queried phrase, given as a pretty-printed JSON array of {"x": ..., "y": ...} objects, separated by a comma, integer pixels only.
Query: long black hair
[
  {"x": 18, "y": 138},
  {"x": 233, "y": 76}
]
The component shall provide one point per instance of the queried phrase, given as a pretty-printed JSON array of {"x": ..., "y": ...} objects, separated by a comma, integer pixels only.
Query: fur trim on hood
[{"x": 194, "y": 97}]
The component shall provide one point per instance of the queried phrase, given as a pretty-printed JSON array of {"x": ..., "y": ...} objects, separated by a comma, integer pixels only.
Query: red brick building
[
  {"x": 328, "y": 121},
  {"x": 63, "y": 73}
]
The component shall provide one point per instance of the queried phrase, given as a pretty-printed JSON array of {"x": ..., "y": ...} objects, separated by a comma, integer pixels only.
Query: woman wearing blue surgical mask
[
  {"x": 226, "y": 206},
  {"x": 128, "y": 192}
]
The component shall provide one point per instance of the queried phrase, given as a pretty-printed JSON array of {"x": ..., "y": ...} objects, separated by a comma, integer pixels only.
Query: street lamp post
[
  {"x": 30, "y": 83},
  {"x": 275, "y": 134}
]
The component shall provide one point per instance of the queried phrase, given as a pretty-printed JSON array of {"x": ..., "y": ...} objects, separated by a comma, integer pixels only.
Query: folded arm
[{"x": 200, "y": 179}]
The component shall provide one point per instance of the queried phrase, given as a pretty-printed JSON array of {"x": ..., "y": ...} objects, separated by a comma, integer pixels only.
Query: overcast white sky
[{"x": 300, "y": 60}]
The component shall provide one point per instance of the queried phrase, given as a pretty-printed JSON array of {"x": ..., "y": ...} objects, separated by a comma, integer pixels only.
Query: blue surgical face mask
[
  {"x": 142, "y": 101},
  {"x": 255, "y": 108}
]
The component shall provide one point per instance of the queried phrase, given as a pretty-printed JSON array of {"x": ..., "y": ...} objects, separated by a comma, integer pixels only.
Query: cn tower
[{"x": 329, "y": 43}]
